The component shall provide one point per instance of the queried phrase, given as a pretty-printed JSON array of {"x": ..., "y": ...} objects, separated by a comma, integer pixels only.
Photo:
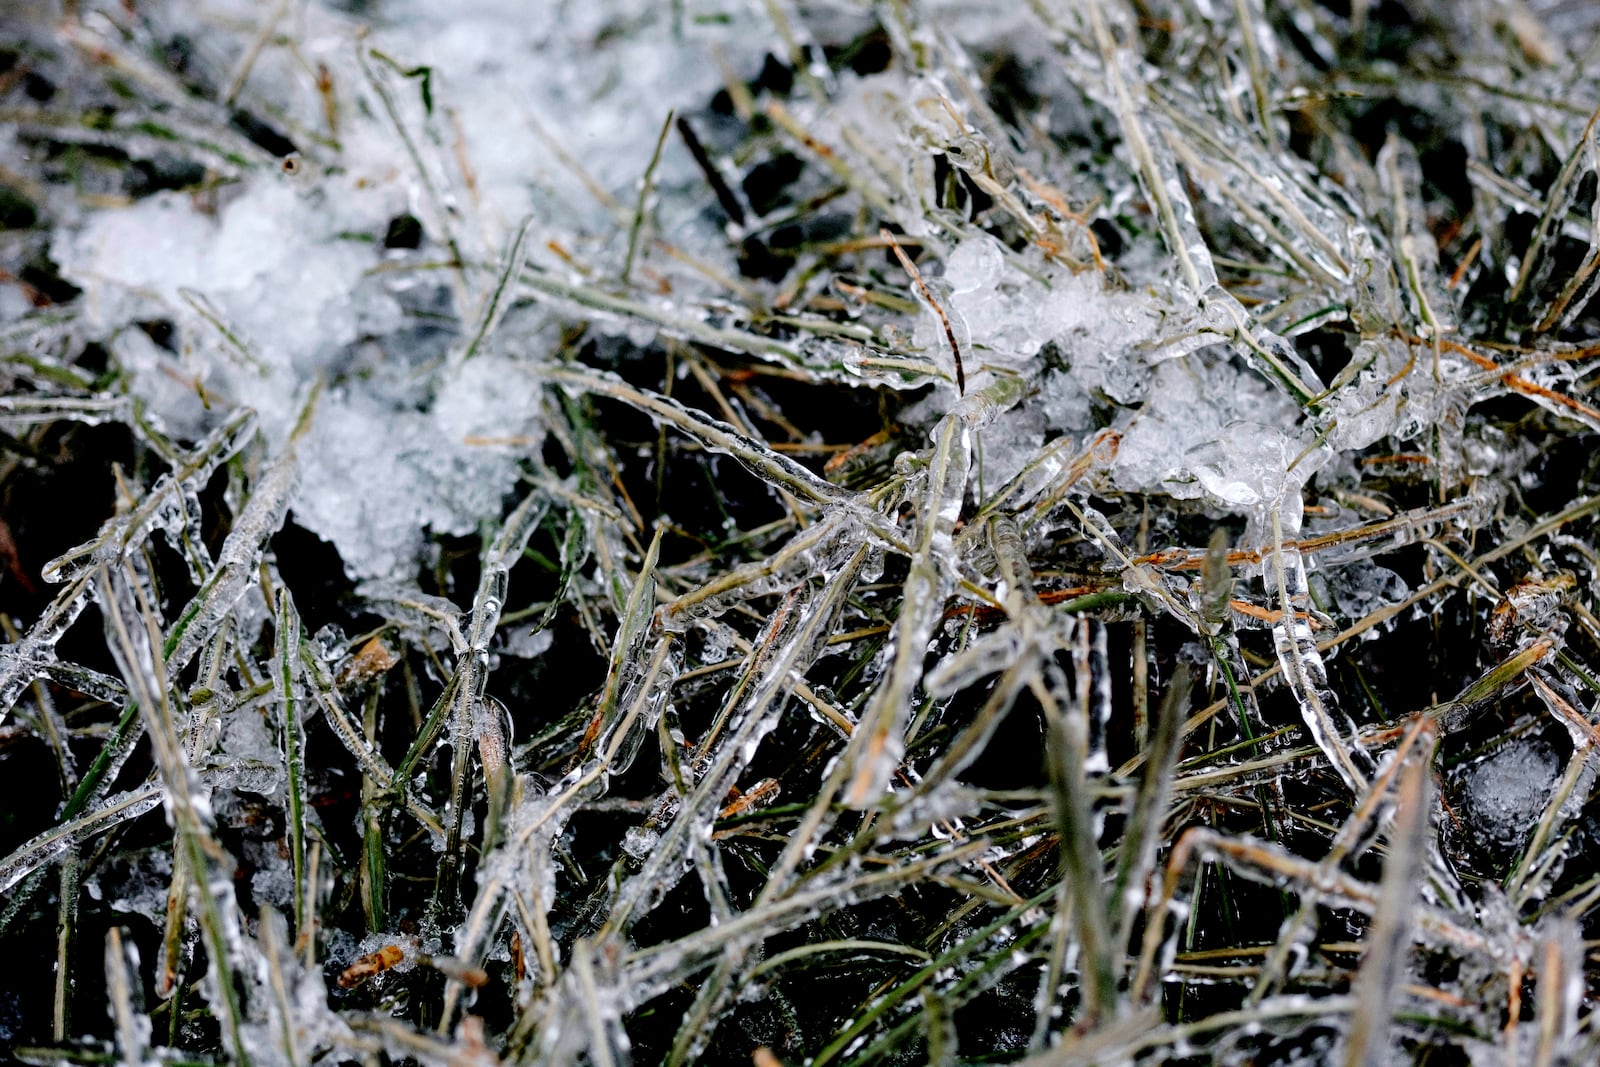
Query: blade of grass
[
  {"x": 646, "y": 186},
  {"x": 134, "y": 636},
  {"x": 285, "y": 673},
  {"x": 1390, "y": 935}
]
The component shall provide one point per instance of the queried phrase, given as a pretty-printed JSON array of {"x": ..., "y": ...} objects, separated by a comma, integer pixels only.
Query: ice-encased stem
[
  {"x": 1301, "y": 661},
  {"x": 19, "y": 411},
  {"x": 472, "y": 671},
  {"x": 201, "y": 305},
  {"x": 1389, "y": 939},
  {"x": 275, "y": 950},
  {"x": 772, "y": 467},
  {"x": 441, "y": 216},
  {"x": 673, "y": 324},
  {"x": 497, "y": 301},
  {"x": 122, "y": 532},
  {"x": 1159, "y": 186},
  {"x": 646, "y": 185},
  {"x": 39, "y": 851},
  {"x": 133, "y": 637},
  {"x": 285, "y": 673},
  {"x": 1149, "y": 814},
  {"x": 659, "y": 962},
  {"x": 636, "y": 616},
  {"x": 877, "y": 745},
  {"x": 788, "y": 646},
  {"x": 469, "y": 688},
  {"x": 32, "y": 655},
  {"x": 1067, "y": 745},
  {"x": 122, "y": 970},
  {"x": 371, "y": 761},
  {"x": 240, "y": 555},
  {"x": 22, "y": 662},
  {"x": 1356, "y": 827}
]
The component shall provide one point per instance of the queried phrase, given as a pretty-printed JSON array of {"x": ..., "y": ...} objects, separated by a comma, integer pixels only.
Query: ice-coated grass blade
[
  {"x": 641, "y": 208},
  {"x": 497, "y": 301},
  {"x": 1390, "y": 937},
  {"x": 135, "y": 637},
  {"x": 285, "y": 676},
  {"x": 877, "y": 745},
  {"x": 1150, "y": 810},
  {"x": 1066, "y": 718},
  {"x": 241, "y": 550}
]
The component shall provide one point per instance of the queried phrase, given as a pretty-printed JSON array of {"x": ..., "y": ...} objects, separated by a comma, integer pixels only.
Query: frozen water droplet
[
  {"x": 974, "y": 264},
  {"x": 639, "y": 842}
]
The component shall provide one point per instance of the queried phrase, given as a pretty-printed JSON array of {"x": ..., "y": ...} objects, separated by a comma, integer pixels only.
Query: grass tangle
[{"x": 1058, "y": 533}]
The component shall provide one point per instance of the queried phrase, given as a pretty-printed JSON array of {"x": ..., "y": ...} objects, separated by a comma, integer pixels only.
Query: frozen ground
[{"x": 904, "y": 532}]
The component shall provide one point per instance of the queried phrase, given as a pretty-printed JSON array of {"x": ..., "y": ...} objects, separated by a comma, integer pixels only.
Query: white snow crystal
[{"x": 289, "y": 264}]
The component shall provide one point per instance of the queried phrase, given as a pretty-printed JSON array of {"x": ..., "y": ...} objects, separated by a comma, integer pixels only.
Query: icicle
[{"x": 1302, "y": 662}]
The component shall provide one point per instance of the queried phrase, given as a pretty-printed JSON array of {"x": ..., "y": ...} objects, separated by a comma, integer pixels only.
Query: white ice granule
[
  {"x": 1506, "y": 793},
  {"x": 402, "y": 472},
  {"x": 548, "y": 116},
  {"x": 524, "y": 119},
  {"x": 1215, "y": 431}
]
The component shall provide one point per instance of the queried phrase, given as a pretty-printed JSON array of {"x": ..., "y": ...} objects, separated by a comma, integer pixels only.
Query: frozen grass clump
[{"x": 800, "y": 532}]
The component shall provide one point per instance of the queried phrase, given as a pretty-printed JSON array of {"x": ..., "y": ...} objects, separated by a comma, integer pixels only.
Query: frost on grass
[{"x": 818, "y": 532}]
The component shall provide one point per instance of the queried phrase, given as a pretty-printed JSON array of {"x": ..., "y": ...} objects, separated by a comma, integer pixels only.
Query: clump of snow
[
  {"x": 273, "y": 263},
  {"x": 402, "y": 471},
  {"x": 137, "y": 882},
  {"x": 282, "y": 278},
  {"x": 1215, "y": 431},
  {"x": 1008, "y": 311},
  {"x": 1363, "y": 587}
]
